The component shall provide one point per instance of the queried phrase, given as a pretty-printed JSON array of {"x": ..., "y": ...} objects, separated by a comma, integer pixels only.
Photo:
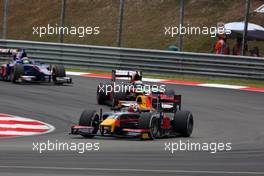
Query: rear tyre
[
  {"x": 17, "y": 72},
  {"x": 183, "y": 123},
  {"x": 118, "y": 96},
  {"x": 149, "y": 122},
  {"x": 101, "y": 94},
  {"x": 90, "y": 118},
  {"x": 58, "y": 71}
]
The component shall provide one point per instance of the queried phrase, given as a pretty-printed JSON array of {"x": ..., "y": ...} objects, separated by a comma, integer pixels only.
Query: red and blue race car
[
  {"x": 19, "y": 68},
  {"x": 163, "y": 118}
]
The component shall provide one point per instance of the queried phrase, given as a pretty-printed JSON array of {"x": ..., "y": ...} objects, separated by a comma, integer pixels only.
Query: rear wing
[
  {"x": 131, "y": 75},
  {"x": 166, "y": 103},
  {"x": 7, "y": 53}
]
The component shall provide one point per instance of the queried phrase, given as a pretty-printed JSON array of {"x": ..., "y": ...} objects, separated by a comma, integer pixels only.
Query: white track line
[
  {"x": 160, "y": 80},
  {"x": 226, "y": 86},
  {"x": 137, "y": 170},
  {"x": 210, "y": 85},
  {"x": 75, "y": 73},
  {"x": 152, "y": 80}
]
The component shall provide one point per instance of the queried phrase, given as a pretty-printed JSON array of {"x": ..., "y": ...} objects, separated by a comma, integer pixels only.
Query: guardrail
[{"x": 151, "y": 61}]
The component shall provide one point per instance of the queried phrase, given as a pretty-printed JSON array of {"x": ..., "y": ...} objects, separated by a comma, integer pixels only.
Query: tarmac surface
[{"x": 220, "y": 116}]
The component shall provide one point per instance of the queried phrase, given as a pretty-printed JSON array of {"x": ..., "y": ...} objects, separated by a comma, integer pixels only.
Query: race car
[
  {"x": 165, "y": 120},
  {"x": 19, "y": 68},
  {"x": 128, "y": 88}
]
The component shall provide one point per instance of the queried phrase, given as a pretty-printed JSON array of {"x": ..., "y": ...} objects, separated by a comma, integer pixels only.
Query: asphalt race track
[{"x": 221, "y": 115}]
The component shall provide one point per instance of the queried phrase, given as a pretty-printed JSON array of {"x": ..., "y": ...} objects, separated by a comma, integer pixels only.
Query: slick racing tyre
[
  {"x": 17, "y": 72},
  {"x": 101, "y": 93},
  {"x": 149, "y": 122},
  {"x": 58, "y": 71},
  {"x": 118, "y": 96},
  {"x": 90, "y": 118},
  {"x": 183, "y": 123}
]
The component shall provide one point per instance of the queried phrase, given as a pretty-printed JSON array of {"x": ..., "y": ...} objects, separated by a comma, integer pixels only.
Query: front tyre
[
  {"x": 149, "y": 122},
  {"x": 58, "y": 71},
  {"x": 16, "y": 72},
  {"x": 90, "y": 118}
]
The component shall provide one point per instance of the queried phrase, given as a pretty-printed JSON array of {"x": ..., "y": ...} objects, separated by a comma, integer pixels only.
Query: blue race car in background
[{"x": 19, "y": 68}]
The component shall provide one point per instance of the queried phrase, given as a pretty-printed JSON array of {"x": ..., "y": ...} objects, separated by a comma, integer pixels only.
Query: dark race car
[
  {"x": 127, "y": 88},
  {"x": 163, "y": 119},
  {"x": 19, "y": 68}
]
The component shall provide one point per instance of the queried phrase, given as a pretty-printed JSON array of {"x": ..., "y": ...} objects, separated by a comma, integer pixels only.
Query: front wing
[{"x": 88, "y": 130}]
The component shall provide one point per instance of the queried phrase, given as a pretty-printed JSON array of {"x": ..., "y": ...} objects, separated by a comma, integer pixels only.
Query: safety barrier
[{"x": 151, "y": 61}]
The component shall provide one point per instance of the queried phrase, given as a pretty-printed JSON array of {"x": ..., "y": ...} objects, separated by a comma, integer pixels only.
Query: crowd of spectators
[{"x": 222, "y": 47}]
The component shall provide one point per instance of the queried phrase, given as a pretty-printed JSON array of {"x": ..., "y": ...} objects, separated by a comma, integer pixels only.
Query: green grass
[
  {"x": 144, "y": 21},
  {"x": 240, "y": 82}
]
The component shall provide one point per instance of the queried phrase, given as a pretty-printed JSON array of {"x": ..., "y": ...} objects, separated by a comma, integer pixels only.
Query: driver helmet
[
  {"x": 25, "y": 60},
  {"x": 133, "y": 108},
  {"x": 136, "y": 77},
  {"x": 21, "y": 54},
  {"x": 138, "y": 82}
]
